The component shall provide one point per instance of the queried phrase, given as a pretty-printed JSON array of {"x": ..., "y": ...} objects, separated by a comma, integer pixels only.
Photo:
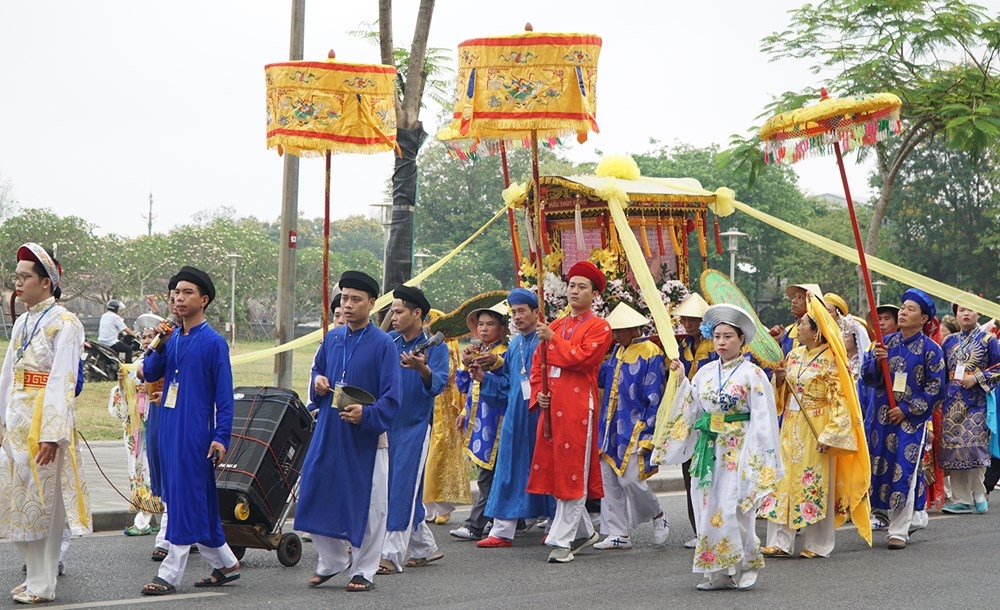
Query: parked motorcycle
[{"x": 102, "y": 363}]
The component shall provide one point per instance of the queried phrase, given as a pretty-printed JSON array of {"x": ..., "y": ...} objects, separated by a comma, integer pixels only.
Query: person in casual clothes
[
  {"x": 633, "y": 380},
  {"x": 42, "y": 486},
  {"x": 193, "y": 435},
  {"x": 897, "y": 435},
  {"x": 565, "y": 463},
  {"x": 111, "y": 326},
  {"x": 362, "y": 355}
]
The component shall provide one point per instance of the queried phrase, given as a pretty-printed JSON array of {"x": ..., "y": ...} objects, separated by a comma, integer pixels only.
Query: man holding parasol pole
[{"x": 565, "y": 463}]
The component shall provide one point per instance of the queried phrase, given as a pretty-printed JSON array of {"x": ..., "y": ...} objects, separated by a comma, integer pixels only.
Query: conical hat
[
  {"x": 812, "y": 288},
  {"x": 624, "y": 316},
  {"x": 472, "y": 320},
  {"x": 692, "y": 307}
]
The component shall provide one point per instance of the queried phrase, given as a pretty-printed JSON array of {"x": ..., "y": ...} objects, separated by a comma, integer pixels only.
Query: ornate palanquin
[{"x": 576, "y": 220}]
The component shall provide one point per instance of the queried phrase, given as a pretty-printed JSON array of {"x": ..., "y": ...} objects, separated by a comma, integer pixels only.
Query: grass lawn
[{"x": 94, "y": 421}]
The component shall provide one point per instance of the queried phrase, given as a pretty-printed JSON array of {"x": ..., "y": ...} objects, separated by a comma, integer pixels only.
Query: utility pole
[
  {"x": 289, "y": 225},
  {"x": 149, "y": 217}
]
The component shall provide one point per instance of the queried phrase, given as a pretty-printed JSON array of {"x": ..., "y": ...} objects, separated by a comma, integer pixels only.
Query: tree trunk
[
  {"x": 399, "y": 247},
  {"x": 410, "y": 136}
]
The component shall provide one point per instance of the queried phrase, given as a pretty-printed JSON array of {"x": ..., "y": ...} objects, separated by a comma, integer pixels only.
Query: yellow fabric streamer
[
  {"x": 514, "y": 193},
  {"x": 382, "y": 301},
  {"x": 661, "y": 317},
  {"x": 853, "y": 470},
  {"x": 128, "y": 385},
  {"x": 909, "y": 278}
]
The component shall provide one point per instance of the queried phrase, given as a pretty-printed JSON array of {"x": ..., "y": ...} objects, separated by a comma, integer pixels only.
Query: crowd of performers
[{"x": 554, "y": 417}]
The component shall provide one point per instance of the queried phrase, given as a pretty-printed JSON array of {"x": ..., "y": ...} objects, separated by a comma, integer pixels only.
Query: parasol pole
[
  {"x": 864, "y": 270},
  {"x": 510, "y": 209},
  {"x": 537, "y": 202},
  {"x": 326, "y": 246}
]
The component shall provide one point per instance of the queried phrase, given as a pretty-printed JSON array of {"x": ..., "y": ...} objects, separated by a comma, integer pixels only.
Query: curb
[{"x": 118, "y": 520}]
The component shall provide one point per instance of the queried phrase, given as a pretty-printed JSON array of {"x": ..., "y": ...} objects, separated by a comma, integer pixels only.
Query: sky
[{"x": 108, "y": 101}]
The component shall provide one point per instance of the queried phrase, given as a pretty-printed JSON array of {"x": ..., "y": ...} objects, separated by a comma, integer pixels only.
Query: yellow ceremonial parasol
[
  {"x": 321, "y": 107},
  {"x": 528, "y": 85},
  {"x": 837, "y": 125}
]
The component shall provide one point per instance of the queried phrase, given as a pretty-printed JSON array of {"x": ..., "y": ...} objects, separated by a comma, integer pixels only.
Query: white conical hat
[
  {"x": 624, "y": 316},
  {"x": 692, "y": 307},
  {"x": 813, "y": 288}
]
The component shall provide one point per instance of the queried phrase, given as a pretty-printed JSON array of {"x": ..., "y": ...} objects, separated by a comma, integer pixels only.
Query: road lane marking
[{"x": 136, "y": 600}]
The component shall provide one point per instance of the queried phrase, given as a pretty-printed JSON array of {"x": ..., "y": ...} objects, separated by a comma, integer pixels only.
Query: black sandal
[
  {"x": 322, "y": 579},
  {"x": 159, "y": 554},
  {"x": 360, "y": 583},
  {"x": 158, "y": 586},
  {"x": 218, "y": 578}
]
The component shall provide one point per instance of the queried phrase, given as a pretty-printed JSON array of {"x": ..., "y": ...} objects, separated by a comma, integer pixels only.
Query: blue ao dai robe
[
  {"x": 896, "y": 450},
  {"x": 203, "y": 413},
  {"x": 336, "y": 484},
  {"x": 509, "y": 498},
  {"x": 965, "y": 437},
  {"x": 633, "y": 379},
  {"x": 483, "y": 416},
  {"x": 409, "y": 431}
]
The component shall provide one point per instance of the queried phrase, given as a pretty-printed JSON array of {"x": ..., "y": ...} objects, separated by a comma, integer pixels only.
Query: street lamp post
[
  {"x": 732, "y": 235},
  {"x": 877, "y": 285},
  {"x": 233, "y": 257},
  {"x": 418, "y": 260}
]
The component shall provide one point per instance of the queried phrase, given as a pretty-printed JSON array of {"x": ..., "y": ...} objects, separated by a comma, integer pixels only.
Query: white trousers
[
  {"x": 172, "y": 568},
  {"x": 967, "y": 485},
  {"x": 901, "y": 518},
  {"x": 41, "y": 557},
  {"x": 438, "y": 509},
  {"x": 504, "y": 528},
  {"x": 142, "y": 520},
  {"x": 571, "y": 520},
  {"x": 334, "y": 555},
  {"x": 161, "y": 537},
  {"x": 623, "y": 492},
  {"x": 401, "y": 545}
]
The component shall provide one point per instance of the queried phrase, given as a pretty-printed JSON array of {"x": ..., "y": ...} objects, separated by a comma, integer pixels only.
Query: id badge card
[
  {"x": 338, "y": 391},
  {"x": 899, "y": 382},
  {"x": 718, "y": 422},
  {"x": 526, "y": 389},
  {"x": 19, "y": 377},
  {"x": 171, "y": 400},
  {"x": 555, "y": 372},
  {"x": 959, "y": 372}
]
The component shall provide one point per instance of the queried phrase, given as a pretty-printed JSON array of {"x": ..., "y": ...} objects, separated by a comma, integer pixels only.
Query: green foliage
[
  {"x": 776, "y": 256},
  {"x": 456, "y": 198},
  {"x": 942, "y": 218}
]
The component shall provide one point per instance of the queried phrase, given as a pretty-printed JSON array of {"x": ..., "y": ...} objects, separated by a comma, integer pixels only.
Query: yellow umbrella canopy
[
  {"x": 855, "y": 121},
  {"x": 319, "y": 106},
  {"x": 509, "y": 86}
]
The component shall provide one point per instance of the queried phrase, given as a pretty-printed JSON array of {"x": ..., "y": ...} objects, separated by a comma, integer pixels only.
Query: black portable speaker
[{"x": 271, "y": 432}]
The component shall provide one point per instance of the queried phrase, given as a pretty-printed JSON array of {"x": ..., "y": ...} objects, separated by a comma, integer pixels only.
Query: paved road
[{"x": 952, "y": 564}]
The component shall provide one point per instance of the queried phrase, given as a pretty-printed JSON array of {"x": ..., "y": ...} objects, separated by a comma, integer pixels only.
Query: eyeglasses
[{"x": 22, "y": 277}]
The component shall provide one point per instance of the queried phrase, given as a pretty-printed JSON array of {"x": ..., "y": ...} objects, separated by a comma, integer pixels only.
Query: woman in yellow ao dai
[{"x": 821, "y": 434}]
